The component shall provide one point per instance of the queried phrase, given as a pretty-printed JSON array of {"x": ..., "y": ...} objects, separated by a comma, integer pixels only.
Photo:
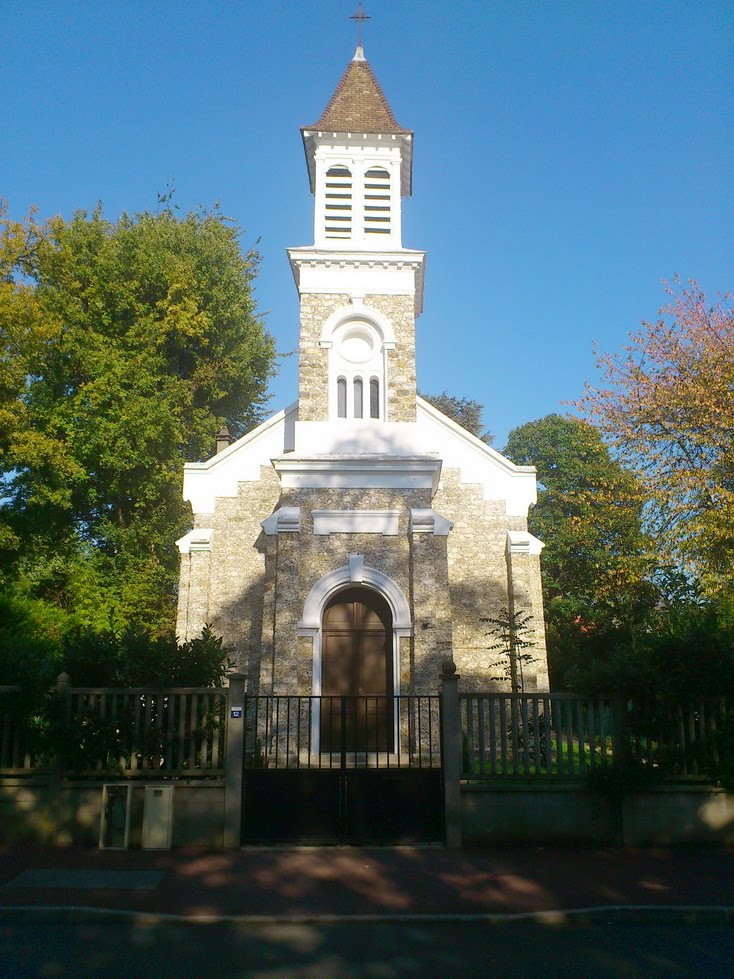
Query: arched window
[
  {"x": 341, "y": 397},
  {"x": 374, "y": 398},
  {"x": 377, "y": 202},
  {"x": 338, "y": 203},
  {"x": 357, "y": 353},
  {"x": 358, "y": 398}
]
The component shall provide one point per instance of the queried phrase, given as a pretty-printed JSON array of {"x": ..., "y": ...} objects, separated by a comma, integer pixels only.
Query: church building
[{"x": 357, "y": 539}]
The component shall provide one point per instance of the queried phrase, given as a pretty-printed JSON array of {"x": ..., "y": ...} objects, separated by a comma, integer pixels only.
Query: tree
[
  {"x": 597, "y": 563},
  {"x": 666, "y": 404},
  {"x": 124, "y": 347},
  {"x": 511, "y": 634},
  {"x": 464, "y": 411}
]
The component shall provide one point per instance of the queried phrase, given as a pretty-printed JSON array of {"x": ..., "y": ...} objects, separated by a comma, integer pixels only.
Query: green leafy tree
[
  {"x": 597, "y": 563},
  {"x": 124, "y": 346},
  {"x": 666, "y": 404},
  {"x": 464, "y": 411}
]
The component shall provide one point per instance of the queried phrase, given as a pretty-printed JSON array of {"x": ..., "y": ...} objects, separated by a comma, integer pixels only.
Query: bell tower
[{"x": 360, "y": 290}]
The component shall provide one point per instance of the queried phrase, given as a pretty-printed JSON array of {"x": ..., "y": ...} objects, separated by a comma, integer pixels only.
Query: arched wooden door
[{"x": 357, "y": 673}]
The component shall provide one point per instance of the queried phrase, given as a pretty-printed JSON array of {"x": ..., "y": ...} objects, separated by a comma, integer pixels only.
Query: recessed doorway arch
[{"x": 355, "y": 572}]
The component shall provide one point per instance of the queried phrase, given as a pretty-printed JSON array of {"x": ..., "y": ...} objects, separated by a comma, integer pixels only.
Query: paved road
[{"x": 56, "y": 945}]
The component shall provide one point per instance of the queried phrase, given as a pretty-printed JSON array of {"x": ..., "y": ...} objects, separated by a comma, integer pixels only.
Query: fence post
[
  {"x": 620, "y": 761},
  {"x": 451, "y": 751},
  {"x": 233, "y": 762},
  {"x": 62, "y": 688}
]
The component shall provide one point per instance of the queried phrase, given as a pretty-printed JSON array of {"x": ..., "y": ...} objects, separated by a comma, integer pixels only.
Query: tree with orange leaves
[{"x": 666, "y": 405}]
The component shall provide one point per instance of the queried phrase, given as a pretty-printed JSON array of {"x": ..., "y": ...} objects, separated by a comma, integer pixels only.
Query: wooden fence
[{"x": 567, "y": 736}]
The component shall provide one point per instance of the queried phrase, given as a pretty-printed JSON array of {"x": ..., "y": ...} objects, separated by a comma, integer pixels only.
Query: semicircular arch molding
[
  {"x": 339, "y": 579},
  {"x": 364, "y": 314}
]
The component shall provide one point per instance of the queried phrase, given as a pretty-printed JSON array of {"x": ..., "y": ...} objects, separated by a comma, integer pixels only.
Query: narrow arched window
[
  {"x": 341, "y": 397},
  {"x": 374, "y": 398},
  {"x": 338, "y": 203},
  {"x": 358, "y": 398},
  {"x": 377, "y": 202}
]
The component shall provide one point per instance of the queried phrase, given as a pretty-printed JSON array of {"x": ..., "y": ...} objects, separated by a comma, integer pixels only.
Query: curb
[{"x": 608, "y": 914}]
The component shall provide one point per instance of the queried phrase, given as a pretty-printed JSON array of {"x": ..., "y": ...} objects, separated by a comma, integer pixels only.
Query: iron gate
[{"x": 357, "y": 769}]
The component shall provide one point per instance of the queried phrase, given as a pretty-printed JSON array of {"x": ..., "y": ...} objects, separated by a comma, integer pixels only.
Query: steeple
[
  {"x": 360, "y": 289},
  {"x": 358, "y": 103}
]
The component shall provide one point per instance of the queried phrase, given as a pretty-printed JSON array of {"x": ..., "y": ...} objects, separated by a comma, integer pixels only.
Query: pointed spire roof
[{"x": 358, "y": 103}]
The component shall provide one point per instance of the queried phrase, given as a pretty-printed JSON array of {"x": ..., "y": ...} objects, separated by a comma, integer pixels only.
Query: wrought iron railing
[{"x": 292, "y": 731}]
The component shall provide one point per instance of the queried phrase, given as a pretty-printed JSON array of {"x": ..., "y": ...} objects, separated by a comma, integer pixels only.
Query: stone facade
[
  {"x": 313, "y": 393},
  {"x": 363, "y": 485},
  {"x": 252, "y": 587}
]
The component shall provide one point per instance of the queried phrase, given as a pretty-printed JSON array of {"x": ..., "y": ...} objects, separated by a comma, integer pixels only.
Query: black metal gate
[{"x": 361, "y": 769}]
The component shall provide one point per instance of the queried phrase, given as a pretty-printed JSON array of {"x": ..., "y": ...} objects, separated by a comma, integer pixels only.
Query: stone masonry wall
[
  {"x": 313, "y": 360},
  {"x": 302, "y": 559},
  {"x": 252, "y": 587},
  {"x": 313, "y": 389},
  {"x": 478, "y": 572},
  {"x": 225, "y": 587}
]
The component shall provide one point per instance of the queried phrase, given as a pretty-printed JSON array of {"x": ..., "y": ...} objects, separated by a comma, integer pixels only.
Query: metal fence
[
  {"x": 567, "y": 736},
  {"x": 134, "y": 732},
  {"x": 680, "y": 741},
  {"x": 534, "y": 734},
  {"x": 291, "y": 731},
  {"x": 16, "y": 754}
]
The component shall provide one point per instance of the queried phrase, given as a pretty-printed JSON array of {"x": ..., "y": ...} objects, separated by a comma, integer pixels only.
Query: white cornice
[
  {"x": 342, "y": 260},
  {"x": 359, "y": 472},
  {"x": 314, "y": 137},
  {"x": 199, "y": 539}
]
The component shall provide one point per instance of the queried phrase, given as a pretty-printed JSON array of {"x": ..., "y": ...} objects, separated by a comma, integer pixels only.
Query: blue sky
[{"x": 569, "y": 156}]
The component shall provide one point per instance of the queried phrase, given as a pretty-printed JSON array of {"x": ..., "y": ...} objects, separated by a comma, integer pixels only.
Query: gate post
[
  {"x": 234, "y": 759},
  {"x": 451, "y": 751}
]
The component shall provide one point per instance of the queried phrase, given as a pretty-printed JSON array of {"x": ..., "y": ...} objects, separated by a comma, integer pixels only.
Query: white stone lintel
[
  {"x": 521, "y": 542},
  {"x": 426, "y": 521},
  {"x": 383, "y": 522},
  {"x": 285, "y": 520},
  {"x": 199, "y": 539}
]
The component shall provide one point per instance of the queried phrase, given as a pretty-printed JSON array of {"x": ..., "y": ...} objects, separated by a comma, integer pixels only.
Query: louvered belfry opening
[
  {"x": 377, "y": 202},
  {"x": 338, "y": 206}
]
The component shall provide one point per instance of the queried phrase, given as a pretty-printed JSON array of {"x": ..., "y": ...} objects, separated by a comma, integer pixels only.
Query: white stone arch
[
  {"x": 354, "y": 573},
  {"x": 357, "y": 311},
  {"x": 357, "y": 339}
]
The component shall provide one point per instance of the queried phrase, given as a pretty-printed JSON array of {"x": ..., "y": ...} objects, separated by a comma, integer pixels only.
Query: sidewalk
[{"x": 321, "y": 883}]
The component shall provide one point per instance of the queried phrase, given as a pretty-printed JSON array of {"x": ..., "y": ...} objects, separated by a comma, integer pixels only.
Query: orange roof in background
[{"x": 358, "y": 104}]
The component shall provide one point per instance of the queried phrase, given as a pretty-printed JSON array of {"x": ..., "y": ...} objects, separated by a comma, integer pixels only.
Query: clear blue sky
[{"x": 568, "y": 155}]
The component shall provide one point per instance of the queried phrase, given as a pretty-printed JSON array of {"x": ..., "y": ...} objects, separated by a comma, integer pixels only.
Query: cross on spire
[{"x": 360, "y": 17}]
